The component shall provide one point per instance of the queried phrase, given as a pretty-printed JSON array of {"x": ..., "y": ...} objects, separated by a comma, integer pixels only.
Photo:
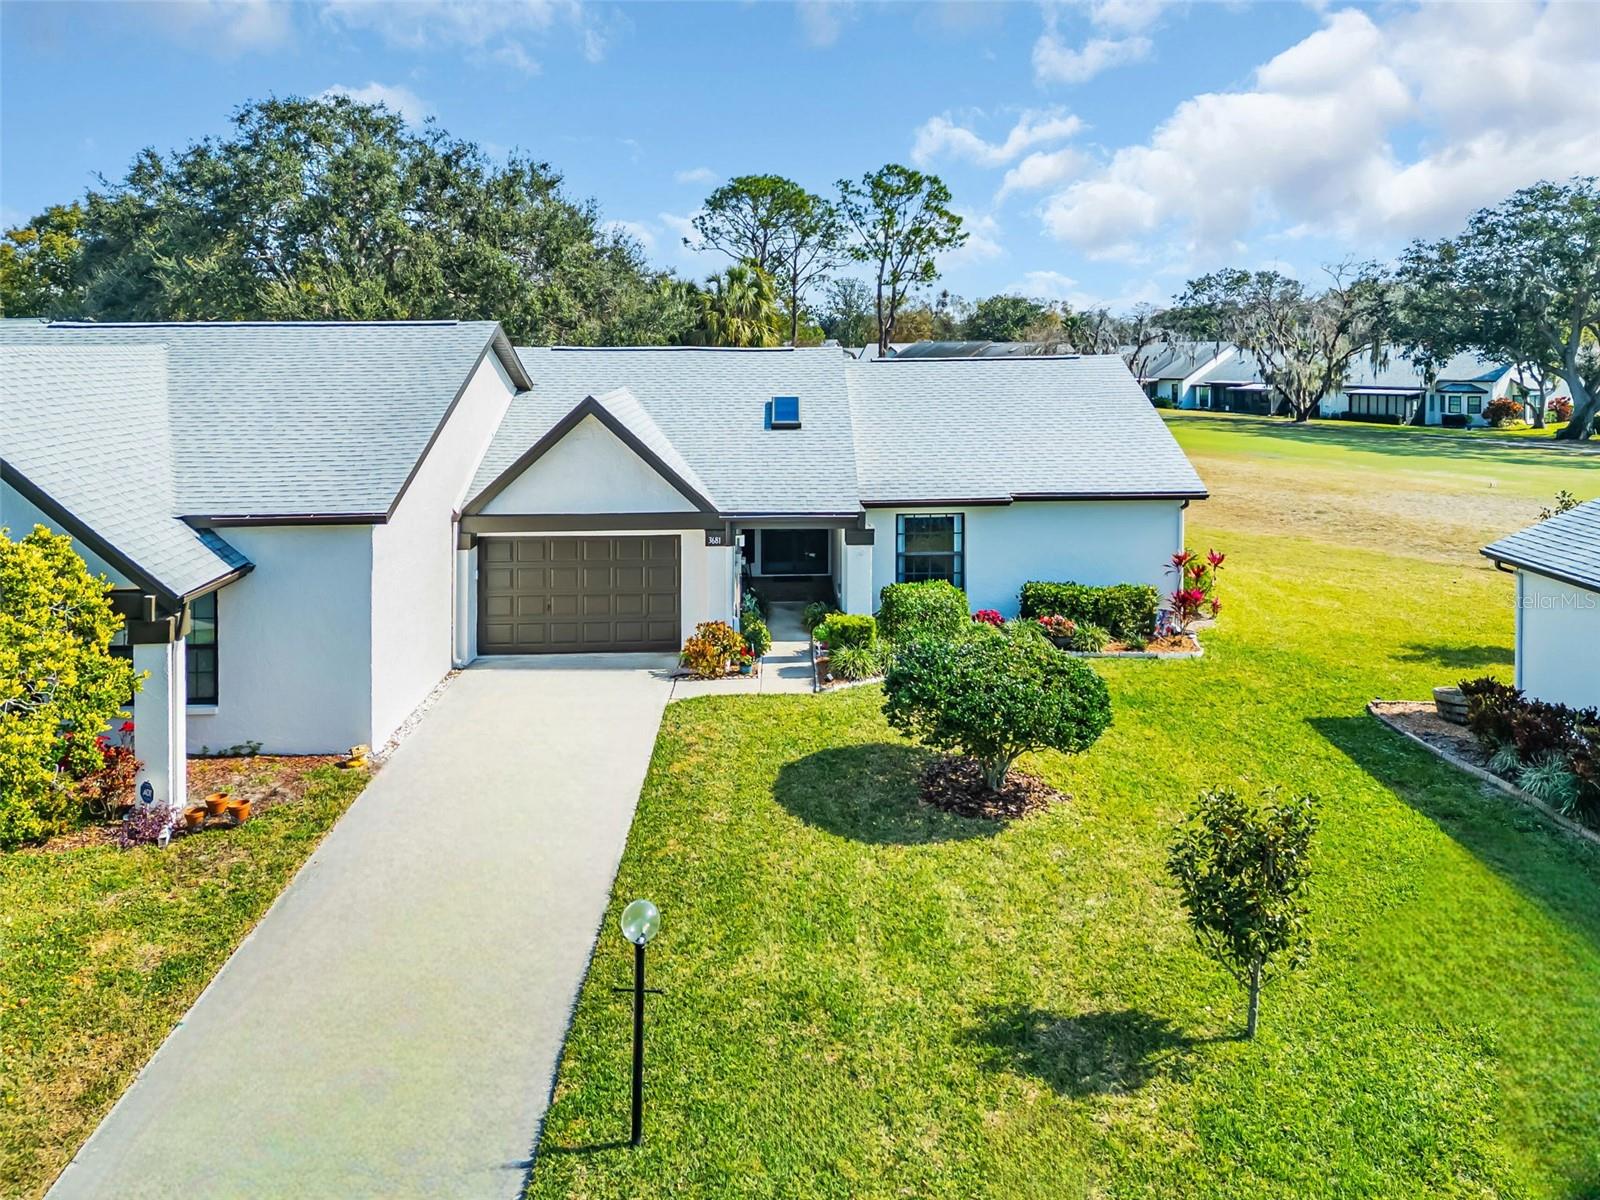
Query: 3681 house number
[{"x": 716, "y": 537}]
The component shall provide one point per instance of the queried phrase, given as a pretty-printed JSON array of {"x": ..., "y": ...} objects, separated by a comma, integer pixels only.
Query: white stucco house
[
  {"x": 308, "y": 525},
  {"x": 1390, "y": 393},
  {"x": 1557, "y": 566}
]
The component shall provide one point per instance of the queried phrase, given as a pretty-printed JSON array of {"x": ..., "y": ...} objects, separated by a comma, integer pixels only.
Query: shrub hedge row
[
  {"x": 1127, "y": 611},
  {"x": 846, "y": 631}
]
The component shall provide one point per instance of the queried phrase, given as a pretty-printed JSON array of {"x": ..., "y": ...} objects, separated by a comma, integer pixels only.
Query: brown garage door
[{"x": 567, "y": 595}]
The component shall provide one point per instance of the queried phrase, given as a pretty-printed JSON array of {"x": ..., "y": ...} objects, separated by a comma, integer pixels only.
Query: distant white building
[
  {"x": 1557, "y": 564},
  {"x": 1391, "y": 394}
]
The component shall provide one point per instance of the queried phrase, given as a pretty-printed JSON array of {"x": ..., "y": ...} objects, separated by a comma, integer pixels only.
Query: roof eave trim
[
  {"x": 85, "y": 533},
  {"x": 588, "y": 407},
  {"x": 1500, "y": 560},
  {"x": 1036, "y": 497},
  {"x": 235, "y": 520}
]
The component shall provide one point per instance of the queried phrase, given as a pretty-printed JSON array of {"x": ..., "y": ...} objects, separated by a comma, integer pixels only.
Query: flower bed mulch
[
  {"x": 266, "y": 780},
  {"x": 957, "y": 785},
  {"x": 1420, "y": 721}
]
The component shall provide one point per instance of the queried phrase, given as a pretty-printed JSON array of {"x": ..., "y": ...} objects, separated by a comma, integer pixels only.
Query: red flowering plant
[
  {"x": 988, "y": 616},
  {"x": 1196, "y": 592},
  {"x": 1058, "y": 627}
]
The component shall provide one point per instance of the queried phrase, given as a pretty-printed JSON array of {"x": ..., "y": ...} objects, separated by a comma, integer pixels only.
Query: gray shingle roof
[
  {"x": 87, "y": 425},
  {"x": 1565, "y": 547},
  {"x": 279, "y": 419},
  {"x": 1179, "y": 360},
  {"x": 711, "y": 406},
  {"x": 998, "y": 429}
]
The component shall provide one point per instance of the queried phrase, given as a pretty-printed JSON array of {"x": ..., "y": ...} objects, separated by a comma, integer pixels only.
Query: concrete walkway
[
  {"x": 786, "y": 667},
  {"x": 392, "y": 1027}
]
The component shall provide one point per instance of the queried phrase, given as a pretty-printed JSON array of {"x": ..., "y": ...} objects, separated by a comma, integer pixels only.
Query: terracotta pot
[
  {"x": 216, "y": 804},
  {"x": 194, "y": 817},
  {"x": 239, "y": 810}
]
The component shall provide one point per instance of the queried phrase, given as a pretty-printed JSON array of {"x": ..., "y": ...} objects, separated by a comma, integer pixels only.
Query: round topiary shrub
[{"x": 994, "y": 697}]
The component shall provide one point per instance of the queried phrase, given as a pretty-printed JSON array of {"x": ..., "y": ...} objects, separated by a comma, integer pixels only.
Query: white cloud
[
  {"x": 1356, "y": 133},
  {"x": 697, "y": 175},
  {"x": 638, "y": 230},
  {"x": 1043, "y": 285},
  {"x": 397, "y": 99},
  {"x": 1042, "y": 169},
  {"x": 821, "y": 21},
  {"x": 982, "y": 243},
  {"x": 1055, "y": 62},
  {"x": 1118, "y": 38},
  {"x": 225, "y": 27},
  {"x": 494, "y": 28},
  {"x": 941, "y": 136}
]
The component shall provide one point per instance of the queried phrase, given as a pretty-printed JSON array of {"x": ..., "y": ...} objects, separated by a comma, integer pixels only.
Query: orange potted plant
[
  {"x": 239, "y": 810},
  {"x": 194, "y": 816},
  {"x": 216, "y": 804}
]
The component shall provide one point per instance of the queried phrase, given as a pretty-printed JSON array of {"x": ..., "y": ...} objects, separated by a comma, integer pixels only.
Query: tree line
[
  {"x": 334, "y": 209},
  {"x": 1520, "y": 284}
]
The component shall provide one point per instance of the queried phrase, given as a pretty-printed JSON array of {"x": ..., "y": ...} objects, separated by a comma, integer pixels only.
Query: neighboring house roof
[
  {"x": 1235, "y": 366},
  {"x": 964, "y": 430},
  {"x": 710, "y": 407},
  {"x": 84, "y": 435},
  {"x": 273, "y": 420},
  {"x": 971, "y": 349},
  {"x": 1565, "y": 547},
  {"x": 1176, "y": 360}
]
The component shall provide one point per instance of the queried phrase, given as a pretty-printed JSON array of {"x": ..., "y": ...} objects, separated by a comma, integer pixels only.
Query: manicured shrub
[
  {"x": 1560, "y": 410},
  {"x": 1195, "y": 593},
  {"x": 59, "y": 683},
  {"x": 1502, "y": 412},
  {"x": 932, "y": 608},
  {"x": 1550, "y": 750},
  {"x": 814, "y": 614},
  {"x": 714, "y": 645},
  {"x": 856, "y": 662},
  {"x": 844, "y": 631},
  {"x": 994, "y": 697},
  {"x": 756, "y": 635},
  {"x": 1126, "y": 610},
  {"x": 1241, "y": 870}
]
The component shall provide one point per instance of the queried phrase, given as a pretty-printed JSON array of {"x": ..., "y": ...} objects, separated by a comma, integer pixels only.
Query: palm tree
[{"x": 740, "y": 307}]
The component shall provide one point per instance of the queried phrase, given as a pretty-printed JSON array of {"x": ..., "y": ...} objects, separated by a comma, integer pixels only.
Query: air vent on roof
[{"x": 784, "y": 412}]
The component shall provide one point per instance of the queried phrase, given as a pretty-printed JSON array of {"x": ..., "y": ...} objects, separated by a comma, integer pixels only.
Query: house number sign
[{"x": 716, "y": 537}]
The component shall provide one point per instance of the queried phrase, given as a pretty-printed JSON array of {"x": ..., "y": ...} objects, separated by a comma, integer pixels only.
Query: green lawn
[
  {"x": 866, "y": 998},
  {"x": 103, "y": 950}
]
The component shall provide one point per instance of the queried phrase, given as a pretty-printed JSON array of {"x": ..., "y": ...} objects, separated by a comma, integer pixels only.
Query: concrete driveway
[{"x": 392, "y": 1026}]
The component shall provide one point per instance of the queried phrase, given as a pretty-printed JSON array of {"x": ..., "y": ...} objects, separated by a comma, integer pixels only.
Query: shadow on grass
[
  {"x": 1457, "y": 658},
  {"x": 868, "y": 793},
  {"x": 1093, "y": 1054},
  {"x": 1552, "y": 868}
]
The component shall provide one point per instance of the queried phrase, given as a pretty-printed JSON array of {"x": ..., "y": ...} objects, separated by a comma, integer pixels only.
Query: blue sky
[{"x": 1102, "y": 151}]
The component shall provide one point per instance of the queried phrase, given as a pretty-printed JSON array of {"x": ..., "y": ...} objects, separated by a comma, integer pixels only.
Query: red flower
[
  {"x": 127, "y": 727},
  {"x": 988, "y": 616},
  {"x": 1182, "y": 557},
  {"x": 1216, "y": 606},
  {"x": 1197, "y": 571},
  {"x": 1214, "y": 558}
]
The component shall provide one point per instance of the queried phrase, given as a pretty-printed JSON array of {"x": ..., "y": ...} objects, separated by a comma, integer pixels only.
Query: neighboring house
[
  {"x": 312, "y": 523},
  {"x": 1169, "y": 371},
  {"x": 1557, "y": 565},
  {"x": 1388, "y": 394},
  {"x": 1230, "y": 382}
]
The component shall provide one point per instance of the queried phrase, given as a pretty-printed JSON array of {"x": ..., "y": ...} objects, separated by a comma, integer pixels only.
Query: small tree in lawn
[
  {"x": 60, "y": 686},
  {"x": 1242, "y": 872},
  {"x": 995, "y": 696}
]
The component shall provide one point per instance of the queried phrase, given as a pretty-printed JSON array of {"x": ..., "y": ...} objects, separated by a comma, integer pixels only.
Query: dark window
[
  {"x": 928, "y": 548},
  {"x": 201, "y": 651},
  {"x": 1455, "y": 404},
  {"x": 1474, "y": 404},
  {"x": 786, "y": 412},
  {"x": 794, "y": 552}
]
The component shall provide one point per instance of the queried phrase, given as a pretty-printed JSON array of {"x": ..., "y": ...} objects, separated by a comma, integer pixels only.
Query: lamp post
[{"x": 641, "y": 921}]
